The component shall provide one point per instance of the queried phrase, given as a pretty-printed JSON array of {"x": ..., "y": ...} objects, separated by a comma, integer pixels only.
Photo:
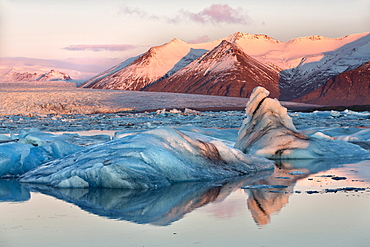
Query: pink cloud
[
  {"x": 96, "y": 48},
  {"x": 201, "y": 39},
  {"x": 125, "y": 10},
  {"x": 215, "y": 14},
  {"x": 218, "y": 13}
]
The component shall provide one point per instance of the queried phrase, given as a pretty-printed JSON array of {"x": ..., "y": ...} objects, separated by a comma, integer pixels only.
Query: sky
[{"x": 83, "y": 30}]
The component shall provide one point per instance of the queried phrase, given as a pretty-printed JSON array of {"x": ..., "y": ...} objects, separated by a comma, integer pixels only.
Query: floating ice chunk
[
  {"x": 31, "y": 151},
  {"x": 335, "y": 113},
  {"x": 151, "y": 159},
  {"x": 361, "y": 135},
  {"x": 12, "y": 157},
  {"x": 321, "y": 135},
  {"x": 264, "y": 186},
  {"x": 37, "y": 138},
  {"x": 175, "y": 111},
  {"x": 188, "y": 111},
  {"x": 62, "y": 148},
  {"x": 297, "y": 173},
  {"x": 4, "y": 138},
  {"x": 268, "y": 131}
]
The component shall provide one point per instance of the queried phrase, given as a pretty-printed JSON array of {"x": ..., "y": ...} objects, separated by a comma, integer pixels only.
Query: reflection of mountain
[
  {"x": 158, "y": 207},
  {"x": 12, "y": 191}
]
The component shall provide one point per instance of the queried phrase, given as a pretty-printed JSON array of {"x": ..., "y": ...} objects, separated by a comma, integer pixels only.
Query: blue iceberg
[{"x": 151, "y": 159}]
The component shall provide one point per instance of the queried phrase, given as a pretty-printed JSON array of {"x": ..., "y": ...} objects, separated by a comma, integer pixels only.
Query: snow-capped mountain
[
  {"x": 147, "y": 68},
  {"x": 161, "y": 61},
  {"x": 315, "y": 70},
  {"x": 348, "y": 88},
  {"x": 108, "y": 72},
  {"x": 54, "y": 75},
  {"x": 304, "y": 64},
  {"x": 15, "y": 75},
  {"x": 224, "y": 70}
]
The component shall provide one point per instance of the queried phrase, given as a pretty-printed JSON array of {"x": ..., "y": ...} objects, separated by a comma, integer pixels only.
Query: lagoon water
[
  {"x": 301, "y": 203},
  {"x": 298, "y": 204}
]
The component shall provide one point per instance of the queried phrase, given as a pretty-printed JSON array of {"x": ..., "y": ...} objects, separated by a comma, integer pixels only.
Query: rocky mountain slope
[
  {"x": 147, "y": 68},
  {"x": 303, "y": 65},
  {"x": 347, "y": 88},
  {"x": 226, "y": 70},
  {"x": 310, "y": 75}
]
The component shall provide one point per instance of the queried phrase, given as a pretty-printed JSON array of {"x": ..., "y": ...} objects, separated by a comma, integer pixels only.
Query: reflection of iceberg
[
  {"x": 150, "y": 159},
  {"x": 158, "y": 207},
  {"x": 263, "y": 202},
  {"x": 268, "y": 131},
  {"x": 12, "y": 191}
]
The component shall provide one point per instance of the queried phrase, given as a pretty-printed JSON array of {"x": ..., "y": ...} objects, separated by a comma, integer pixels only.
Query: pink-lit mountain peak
[{"x": 303, "y": 64}]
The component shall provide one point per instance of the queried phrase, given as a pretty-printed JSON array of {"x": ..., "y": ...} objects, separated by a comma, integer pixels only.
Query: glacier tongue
[{"x": 151, "y": 159}]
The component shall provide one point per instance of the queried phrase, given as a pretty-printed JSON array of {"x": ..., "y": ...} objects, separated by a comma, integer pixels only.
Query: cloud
[
  {"x": 214, "y": 14},
  {"x": 97, "y": 48},
  {"x": 201, "y": 39},
  {"x": 218, "y": 13},
  {"x": 125, "y": 10}
]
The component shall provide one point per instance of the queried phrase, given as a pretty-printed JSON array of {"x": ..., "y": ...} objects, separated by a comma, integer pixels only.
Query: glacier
[
  {"x": 151, "y": 159},
  {"x": 268, "y": 131}
]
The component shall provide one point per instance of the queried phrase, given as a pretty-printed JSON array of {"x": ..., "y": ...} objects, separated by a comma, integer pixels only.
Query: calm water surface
[{"x": 305, "y": 203}]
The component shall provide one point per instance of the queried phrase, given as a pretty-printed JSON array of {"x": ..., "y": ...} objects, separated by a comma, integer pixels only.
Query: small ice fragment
[
  {"x": 312, "y": 192},
  {"x": 264, "y": 186},
  {"x": 277, "y": 191},
  {"x": 297, "y": 173},
  {"x": 335, "y": 114}
]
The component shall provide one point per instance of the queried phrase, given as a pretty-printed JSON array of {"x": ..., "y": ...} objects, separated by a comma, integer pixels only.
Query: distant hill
[{"x": 15, "y": 75}]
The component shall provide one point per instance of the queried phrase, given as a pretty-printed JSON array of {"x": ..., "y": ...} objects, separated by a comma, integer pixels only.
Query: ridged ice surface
[
  {"x": 268, "y": 131},
  {"x": 151, "y": 159}
]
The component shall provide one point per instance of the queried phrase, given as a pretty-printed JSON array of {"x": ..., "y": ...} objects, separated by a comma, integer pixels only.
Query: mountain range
[
  {"x": 313, "y": 69},
  {"x": 53, "y": 75}
]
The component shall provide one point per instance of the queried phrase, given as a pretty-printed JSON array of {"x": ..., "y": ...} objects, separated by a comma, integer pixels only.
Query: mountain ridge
[
  {"x": 304, "y": 63},
  {"x": 213, "y": 71},
  {"x": 14, "y": 75}
]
